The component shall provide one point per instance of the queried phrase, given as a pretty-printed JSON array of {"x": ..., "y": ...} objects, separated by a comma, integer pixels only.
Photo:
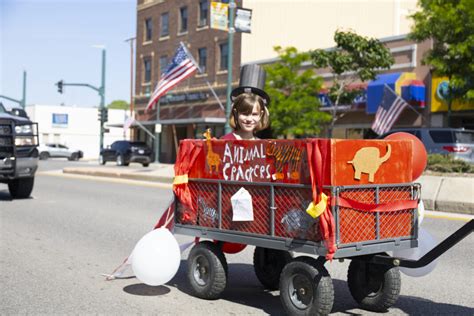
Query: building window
[
  {"x": 163, "y": 64},
  {"x": 164, "y": 25},
  {"x": 183, "y": 25},
  {"x": 224, "y": 53},
  {"x": 203, "y": 11},
  {"x": 146, "y": 70},
  {"x": 202, "y": 55},
  {"x": 148, "y": 29}
]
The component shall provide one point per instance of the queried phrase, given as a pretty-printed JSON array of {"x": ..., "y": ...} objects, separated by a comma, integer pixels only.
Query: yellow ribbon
[
  {"x": 316, "y": 210},
  {"x": 180, "y": 179}
]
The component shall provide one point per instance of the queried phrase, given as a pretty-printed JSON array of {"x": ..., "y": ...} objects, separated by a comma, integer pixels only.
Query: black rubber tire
[
  {"x": 44, "y": 156},
  {"x": 207, "y": 270},
  {"x": 101, "y": 160},
  {"x": 268, "y": 264},
  {"x": 374, "y": 287},
  {"x": 21, "y": 188},
  {"x": 306, "y": 288},
  {"x": 145, "y": 164},
  {"x": 74, "y": 157},
  {"x": 120, "y": 160}
]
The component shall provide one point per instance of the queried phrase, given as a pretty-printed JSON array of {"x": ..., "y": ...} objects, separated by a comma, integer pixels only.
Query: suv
[
  {"x": 58, "y": 150},
  {"x": 123, "y": 152},
  {"x": 457, "y": 142},
  {"x": 18, "y": 153}
]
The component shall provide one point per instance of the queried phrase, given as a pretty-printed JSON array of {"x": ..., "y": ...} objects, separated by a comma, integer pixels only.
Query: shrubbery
[{"x": 444, "y": 163}]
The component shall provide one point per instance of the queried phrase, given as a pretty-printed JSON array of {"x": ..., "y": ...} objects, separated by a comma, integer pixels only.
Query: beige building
[{"x": 310, "y": 24}]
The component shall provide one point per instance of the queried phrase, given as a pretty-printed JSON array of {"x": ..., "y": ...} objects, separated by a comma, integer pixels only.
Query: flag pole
[{"x": 200, "y": 72}]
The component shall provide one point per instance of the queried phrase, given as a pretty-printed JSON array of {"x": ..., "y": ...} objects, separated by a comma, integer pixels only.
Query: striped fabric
[{"x": 388, "y": 112}]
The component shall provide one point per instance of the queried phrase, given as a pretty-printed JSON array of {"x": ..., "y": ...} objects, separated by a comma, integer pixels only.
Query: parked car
[
  {"x": 123, "y": 152},
  {"x": 457, "y": 142},
  {"x": 57, "y": 150}
]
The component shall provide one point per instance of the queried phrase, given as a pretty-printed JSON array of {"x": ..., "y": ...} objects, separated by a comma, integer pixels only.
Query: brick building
[{"x": 189, "y": 108}]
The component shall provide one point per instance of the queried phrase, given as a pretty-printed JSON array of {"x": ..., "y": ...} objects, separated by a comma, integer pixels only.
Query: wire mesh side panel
[
  {"x": 261, "y": 209},
  {"x": 291, "y": 219},
  {"x": 396, "y": 223},
  {"x": 357, "y": 225}
]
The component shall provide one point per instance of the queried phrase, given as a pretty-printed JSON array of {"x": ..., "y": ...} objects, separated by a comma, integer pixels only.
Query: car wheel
[
  {"x": 44, "y": 156},
  {"x": 101, "y": 160},
  {"x": 119, "y": 160},
  {"x": 21, "y": 188},
  {"x": 145, "y": 164},
  {"x": 74, "y": 157}
]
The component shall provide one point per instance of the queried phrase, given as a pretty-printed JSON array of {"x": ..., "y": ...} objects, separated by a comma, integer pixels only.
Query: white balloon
[
  {"x": 426, "y": 242},
  {"x": 156, "y": 257},
  {"x": 421, "y": 212}
]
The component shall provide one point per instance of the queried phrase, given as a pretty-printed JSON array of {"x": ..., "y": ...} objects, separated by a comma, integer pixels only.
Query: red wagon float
[{"x": 332, "y": 199}]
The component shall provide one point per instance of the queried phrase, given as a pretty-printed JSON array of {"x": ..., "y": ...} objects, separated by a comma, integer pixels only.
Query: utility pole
[
  {"x": 232, "y": 5},
  {"x": 131, "y": 40},
  {"x": 103, "y": 115}
]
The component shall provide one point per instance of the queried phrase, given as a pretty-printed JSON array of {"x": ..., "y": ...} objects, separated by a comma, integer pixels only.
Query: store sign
[
  {"x": 179, "y": 98},
  {"x": 219, "y": 16},
  {"x": 439, "y": 96},
  {"x": 59, "y": 120}
]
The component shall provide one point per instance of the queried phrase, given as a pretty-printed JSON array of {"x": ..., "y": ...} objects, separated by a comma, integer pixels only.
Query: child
[{"x": 249, "y": 112}]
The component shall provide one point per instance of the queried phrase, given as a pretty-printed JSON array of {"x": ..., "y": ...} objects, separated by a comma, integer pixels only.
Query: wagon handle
[{"x": 434, "y": 253}]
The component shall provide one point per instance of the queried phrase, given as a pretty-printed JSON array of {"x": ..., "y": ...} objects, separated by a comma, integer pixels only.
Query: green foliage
[
  {"x": 446, "y": 163},
  {"x": 354, "y": 58},
  {"x": 119, "y": 104},
  {"x": 294, "y": 105},
  {"x": 450, "y": 23}
]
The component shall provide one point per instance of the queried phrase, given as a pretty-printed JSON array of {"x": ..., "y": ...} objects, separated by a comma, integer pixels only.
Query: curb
[{"x": 120, "y": 175}]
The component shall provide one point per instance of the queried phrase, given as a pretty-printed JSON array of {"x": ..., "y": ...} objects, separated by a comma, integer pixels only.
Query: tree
[
  {"x": 119, "y": 104},
  {"x": 354, "y": 58},
  {"x": 293, "y": 92},
  {"x": 450, "y": 24}
]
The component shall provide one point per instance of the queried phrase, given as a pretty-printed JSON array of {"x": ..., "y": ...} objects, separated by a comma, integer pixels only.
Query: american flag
[
  {"x": 182, "y": 66},
  {"x": 388, "y": 112}
]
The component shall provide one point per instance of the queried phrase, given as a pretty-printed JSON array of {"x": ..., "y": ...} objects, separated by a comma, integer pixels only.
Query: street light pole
[
  {"x": 232, "y": 5},
  {"x": 131, "y": 40},
  {"x": 23, "y": 100},
  {"x": 102, "y": 100}
]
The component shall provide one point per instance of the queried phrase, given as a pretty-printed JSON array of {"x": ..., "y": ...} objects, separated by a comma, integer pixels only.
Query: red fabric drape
[
  {"x": 318, "y": 160},
  {"x": 188, "y": 152}
]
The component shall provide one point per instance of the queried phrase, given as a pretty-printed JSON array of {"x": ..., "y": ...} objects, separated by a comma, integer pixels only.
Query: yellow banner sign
[
  {"x": 219, "y": 16},
  {"x": 439, "y": 90}
]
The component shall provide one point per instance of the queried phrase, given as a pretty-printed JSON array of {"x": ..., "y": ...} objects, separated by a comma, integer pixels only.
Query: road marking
[{"x": 59, "y": 173}]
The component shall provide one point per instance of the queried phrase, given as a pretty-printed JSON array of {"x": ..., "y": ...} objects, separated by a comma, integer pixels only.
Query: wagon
[{"x": 366, "y": 208}]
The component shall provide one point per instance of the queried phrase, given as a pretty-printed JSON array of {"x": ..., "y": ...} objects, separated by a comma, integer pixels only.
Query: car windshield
[
  {"x": 2, "y": 109},
  {"x": 464, "y": 137}
]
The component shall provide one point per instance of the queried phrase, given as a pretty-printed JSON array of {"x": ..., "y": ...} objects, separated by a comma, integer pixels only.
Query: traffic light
[
  {"x": 106, "y": 115},
  {"x": 100, "y": 115},
  {"x": 60, "y": 86}
]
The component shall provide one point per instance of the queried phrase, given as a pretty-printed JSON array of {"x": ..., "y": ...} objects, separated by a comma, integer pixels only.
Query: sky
[{"x": 54, "y": 39}]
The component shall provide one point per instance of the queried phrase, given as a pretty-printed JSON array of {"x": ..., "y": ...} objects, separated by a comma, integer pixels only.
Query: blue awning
[{"x": 375, "y": 90}]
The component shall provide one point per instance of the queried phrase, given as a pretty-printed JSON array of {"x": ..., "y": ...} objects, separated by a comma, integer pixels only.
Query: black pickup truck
[{"x": 18, "y": 153}]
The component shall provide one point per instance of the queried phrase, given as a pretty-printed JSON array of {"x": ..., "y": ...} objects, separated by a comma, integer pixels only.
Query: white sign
[
  {"x": 242, "y": 208},
  {"x": 243, "y": 19},
  {"x": 219, "y": 16}
]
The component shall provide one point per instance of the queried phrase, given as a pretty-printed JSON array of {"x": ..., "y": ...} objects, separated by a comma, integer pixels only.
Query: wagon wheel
[
  {"x": 306, "y": 288},
  {"x": 375, "y": 287},
  {"x": 268, "y": 264},
  {"x": 207, "y": 270}
]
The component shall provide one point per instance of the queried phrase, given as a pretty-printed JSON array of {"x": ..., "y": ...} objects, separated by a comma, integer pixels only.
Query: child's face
[{"x": 248, "y": 122}]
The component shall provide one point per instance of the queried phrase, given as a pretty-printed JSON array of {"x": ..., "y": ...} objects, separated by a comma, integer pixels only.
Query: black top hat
[{"x": 252, "y": 80}]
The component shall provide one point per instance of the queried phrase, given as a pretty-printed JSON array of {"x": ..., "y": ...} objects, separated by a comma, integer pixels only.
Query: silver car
[
  {"x": 57, "y": 150},
  {"x": 456, "y": 142}
]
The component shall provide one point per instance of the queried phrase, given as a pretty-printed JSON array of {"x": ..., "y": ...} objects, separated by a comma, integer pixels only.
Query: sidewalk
[{"x": 439, "y": 192}]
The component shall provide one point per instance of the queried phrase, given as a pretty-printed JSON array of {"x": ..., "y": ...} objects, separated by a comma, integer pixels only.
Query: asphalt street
[{"x": 55, "y": 246}]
